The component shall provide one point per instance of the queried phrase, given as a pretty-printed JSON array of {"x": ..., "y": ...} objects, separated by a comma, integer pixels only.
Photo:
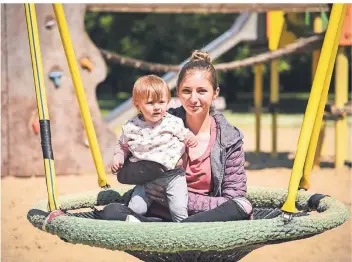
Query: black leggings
[{"x": 228, "y": 211}]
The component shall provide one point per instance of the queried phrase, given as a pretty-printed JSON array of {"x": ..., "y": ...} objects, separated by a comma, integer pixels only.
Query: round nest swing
[{"x": 213, "y": 241}]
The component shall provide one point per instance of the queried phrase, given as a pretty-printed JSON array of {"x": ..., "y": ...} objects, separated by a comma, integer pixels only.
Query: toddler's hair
[{"x": 149, "y": 86}]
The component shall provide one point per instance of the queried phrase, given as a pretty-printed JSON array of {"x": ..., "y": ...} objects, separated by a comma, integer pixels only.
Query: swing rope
[
  {"x": 43, "y": 112},
  {"x": 312, "y": 41}
]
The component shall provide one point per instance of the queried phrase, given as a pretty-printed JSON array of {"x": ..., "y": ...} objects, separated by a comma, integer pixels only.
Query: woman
[{"x": 216, "y": 177}]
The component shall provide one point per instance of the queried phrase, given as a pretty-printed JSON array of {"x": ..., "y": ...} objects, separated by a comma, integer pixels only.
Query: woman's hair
[
  {"x": 149, "y": 86},
  {"x": 200, "y": 61}
]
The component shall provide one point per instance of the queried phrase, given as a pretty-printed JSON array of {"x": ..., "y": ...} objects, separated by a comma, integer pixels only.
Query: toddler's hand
[
  {"x": 119, "y": 160},
  {"x": 191, "y": 141}
]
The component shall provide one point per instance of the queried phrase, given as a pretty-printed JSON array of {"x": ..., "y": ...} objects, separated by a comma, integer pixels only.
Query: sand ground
[{"x": 22, "y": 242}]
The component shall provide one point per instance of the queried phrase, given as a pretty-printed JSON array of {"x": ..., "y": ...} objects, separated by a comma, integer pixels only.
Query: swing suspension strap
[
  {"x": 310, "y": 129},
  {"x": 43, "y": 112},
  {"x": 81, "y": 97},
  {"x": 38, "y": 76}
]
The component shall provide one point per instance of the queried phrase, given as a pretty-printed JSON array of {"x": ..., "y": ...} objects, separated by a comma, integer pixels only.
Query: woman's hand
[{"x": 156, "y": 193}]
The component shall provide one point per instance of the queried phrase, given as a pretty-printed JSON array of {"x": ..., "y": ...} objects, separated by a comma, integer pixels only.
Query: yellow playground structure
[{"x": 278, "y": 36}]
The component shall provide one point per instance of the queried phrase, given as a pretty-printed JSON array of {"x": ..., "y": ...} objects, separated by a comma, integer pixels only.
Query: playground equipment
[
  {"x": 223, "y": 8},
  {"x": 42, "y": 104},
  {"x": 215, "y": 241},
  {"x": 281, "y": 30},
  {"x": 340, "y": 112},
  {"x": 86, "y": 64},
  {"x": 20, "y": 145},
  {"x": 278, "y": 36}
]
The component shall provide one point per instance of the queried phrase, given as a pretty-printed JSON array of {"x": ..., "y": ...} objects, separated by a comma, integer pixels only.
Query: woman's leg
[
  {"x": 116, "y": 211},
  {"x": 235, "y": 209},
  {"x": 238, "y": 208}
]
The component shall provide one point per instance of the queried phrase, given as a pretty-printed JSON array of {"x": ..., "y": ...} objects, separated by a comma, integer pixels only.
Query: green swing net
[{"x": 280, "y": 215}]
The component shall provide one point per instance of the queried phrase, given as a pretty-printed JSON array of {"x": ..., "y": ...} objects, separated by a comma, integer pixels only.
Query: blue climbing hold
[{"x": 55, "y": 76}]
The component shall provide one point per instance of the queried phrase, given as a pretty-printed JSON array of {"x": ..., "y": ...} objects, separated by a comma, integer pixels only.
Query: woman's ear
[{"x": 216, "y": 93}]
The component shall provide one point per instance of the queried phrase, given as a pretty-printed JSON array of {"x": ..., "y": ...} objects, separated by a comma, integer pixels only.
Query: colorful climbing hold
[
  {"x": 34, "y": 123},
  {"x": 55, "y": 76},
  {"x": 86, "y": 64},
  {"x": 49, "y": 22}
]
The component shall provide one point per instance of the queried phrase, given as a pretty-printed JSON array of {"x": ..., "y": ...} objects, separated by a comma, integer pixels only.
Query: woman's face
[{"x": 196, "y": 93}]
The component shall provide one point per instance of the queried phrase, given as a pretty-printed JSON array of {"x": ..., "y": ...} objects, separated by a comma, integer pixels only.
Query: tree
[{"x": 21, "y": 150}]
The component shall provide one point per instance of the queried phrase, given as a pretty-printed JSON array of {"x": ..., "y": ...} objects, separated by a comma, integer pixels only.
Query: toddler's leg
[
  {"x": 177, "y": 195},
  {"x": 139, "y": 202}
]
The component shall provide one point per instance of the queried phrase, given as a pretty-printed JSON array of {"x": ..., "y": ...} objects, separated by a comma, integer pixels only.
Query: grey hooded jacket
[{"x": 229, "y": 178}]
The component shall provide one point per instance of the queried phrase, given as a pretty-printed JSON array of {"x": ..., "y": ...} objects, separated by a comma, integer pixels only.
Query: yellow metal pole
[
  {"x": 43, "y": 112},
  {"x": 318, "y": 28},
  {"x": 308, "y": 165},
  {"x": 305, "y": 181},
  {"x": 321, "y": 82},
  {"x": 274, "y": 99},
  {"x": 341, "y": 98},
  {"x": 82, "y": 101},
  {"x": 258, "y": 101},
  {"x": 320, "y": 147}
]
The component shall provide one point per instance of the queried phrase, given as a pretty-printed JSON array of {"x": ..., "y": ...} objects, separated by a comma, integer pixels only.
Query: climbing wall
[{"x": 21, "y": 153}]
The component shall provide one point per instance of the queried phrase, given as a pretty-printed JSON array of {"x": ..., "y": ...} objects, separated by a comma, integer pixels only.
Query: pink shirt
[{"x": 198, "y": 171}]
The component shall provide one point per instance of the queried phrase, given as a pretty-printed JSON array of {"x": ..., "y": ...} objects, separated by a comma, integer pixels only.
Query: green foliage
[
  {"x": 161, "y": 38},
  {"x": 170, "y": 38},
  {"x": 284, "y": 65}
]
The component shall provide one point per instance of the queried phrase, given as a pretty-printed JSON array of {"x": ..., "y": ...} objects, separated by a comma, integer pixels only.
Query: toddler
[{"x": 155, "y": 142}]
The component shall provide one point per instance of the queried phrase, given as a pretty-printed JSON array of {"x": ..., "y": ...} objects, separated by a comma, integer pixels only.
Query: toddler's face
[{"x": 153, "y": 110}]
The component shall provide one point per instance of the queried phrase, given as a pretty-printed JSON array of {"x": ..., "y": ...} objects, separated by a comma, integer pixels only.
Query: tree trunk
[{"x": 21, "y": 149}]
